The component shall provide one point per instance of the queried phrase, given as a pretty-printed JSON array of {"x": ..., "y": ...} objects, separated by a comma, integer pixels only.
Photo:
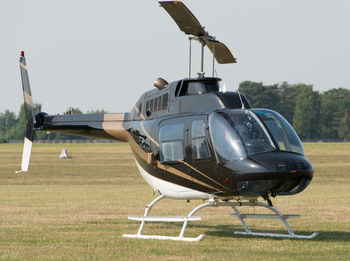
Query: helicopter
[{"x": 192, "y": 141}]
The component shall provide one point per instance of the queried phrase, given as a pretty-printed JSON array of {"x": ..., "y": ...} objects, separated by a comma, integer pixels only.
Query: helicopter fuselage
[{"x": 191, "y": 141}]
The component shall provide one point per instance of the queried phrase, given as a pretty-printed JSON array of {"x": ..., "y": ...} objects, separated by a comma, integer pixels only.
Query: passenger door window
[
  {"x": 171, "y": 142},
  {"x": 199, "y": 144}
]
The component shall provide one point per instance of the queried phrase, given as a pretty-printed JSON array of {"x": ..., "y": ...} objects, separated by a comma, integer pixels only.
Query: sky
[{"x": 105, "y": 54}]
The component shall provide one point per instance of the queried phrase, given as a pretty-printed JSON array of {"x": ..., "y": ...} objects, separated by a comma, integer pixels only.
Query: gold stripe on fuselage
[
  {"x": 188, "y": 165},
  {"x": 113, "y": 125},
  {"x": 142, "y": 154},
  {"x": 139, "y": 113},
  {"x": 184, "y": 175}
]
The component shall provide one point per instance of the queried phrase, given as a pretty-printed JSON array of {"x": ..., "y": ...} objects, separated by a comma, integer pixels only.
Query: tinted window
[
  {"x": 252, "y": 132},
  {"x": 165, "y": 102},
  {"x": 171, "y": 137},
  {"x": 199, "y": 145},
  {"x": 147, "y": 106},
  {"x": 159, "y": 103},
  {"x": 178, "y": 89},
  {"x": 228, "y": 146},
  {"x": 155, "y": 104},
  {"x": 199, "y": 87},
  {"x": 281, "y": 130},
  {"x": 233, "y": 101},
  {"x": 151, "y": 105},
  {"x": 196, "y": 88}
]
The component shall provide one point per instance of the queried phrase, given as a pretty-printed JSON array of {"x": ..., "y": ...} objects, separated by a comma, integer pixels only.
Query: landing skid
[{"x": 214, "y": 203}]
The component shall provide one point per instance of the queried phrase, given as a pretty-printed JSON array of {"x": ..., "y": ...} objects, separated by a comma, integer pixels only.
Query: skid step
[
  {"x": 264, "y": 216},
  {"x": 179, "y": 238},
  {"x": 163, "y": 219}
]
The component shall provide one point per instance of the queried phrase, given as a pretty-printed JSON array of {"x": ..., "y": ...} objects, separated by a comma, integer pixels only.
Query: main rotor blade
[
  {"x": 221, "y": 52},
  {"x": 183, "y": 17}
]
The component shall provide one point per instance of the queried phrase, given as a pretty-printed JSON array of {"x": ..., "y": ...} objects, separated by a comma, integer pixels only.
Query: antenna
[
  {"x": 190, "y": 58},
  {"x": 201, "y": 73},
  {"x": 213, "y": 59},
  {"x": 189, "y": 24}
]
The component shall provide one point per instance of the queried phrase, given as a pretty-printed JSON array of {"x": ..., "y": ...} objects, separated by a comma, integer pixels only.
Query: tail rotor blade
[{"x": 30, "y": 115}]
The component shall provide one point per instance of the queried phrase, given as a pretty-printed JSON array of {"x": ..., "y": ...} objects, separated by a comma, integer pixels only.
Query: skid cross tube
[{"x": 214, "y": 203}]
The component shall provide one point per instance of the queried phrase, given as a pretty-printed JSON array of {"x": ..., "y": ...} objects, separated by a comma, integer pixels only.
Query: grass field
[{"x": 76, "y": 209}]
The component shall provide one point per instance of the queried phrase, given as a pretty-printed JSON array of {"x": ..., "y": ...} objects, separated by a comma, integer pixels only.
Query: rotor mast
[{"x": 203, "y": 40}]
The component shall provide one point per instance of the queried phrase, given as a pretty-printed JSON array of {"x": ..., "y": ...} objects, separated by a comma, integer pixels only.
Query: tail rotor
[{"x": 30, "y": 115}]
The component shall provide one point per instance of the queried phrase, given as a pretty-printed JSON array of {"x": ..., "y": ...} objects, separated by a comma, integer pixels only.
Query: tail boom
[{"x": 104, "y": 126}]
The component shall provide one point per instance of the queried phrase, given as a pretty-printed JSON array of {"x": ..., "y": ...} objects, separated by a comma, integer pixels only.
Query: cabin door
[{"x": 198, "y": 154}]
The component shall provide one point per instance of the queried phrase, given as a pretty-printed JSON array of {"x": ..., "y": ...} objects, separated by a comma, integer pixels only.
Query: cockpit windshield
[
  {"x": 238, "y": 133},
  {"x": 283, "y": 133}
]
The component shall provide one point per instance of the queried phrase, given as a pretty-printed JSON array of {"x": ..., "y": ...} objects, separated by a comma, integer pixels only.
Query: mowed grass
[{"x": 76, "y": 209}]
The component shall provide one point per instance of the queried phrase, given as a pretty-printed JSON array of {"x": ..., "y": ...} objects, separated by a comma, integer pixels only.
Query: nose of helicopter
[
  {"x": 280, "y": 173},
  {"x": 286, "y": 162}
]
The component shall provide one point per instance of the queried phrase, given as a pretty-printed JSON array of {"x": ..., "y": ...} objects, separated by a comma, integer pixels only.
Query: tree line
[
  {"x": 314, "y": 115},
  {"x": 13, "y": 127}
]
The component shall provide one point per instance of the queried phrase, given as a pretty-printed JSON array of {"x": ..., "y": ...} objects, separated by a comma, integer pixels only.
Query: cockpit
[{"x": 236, "y": 134}]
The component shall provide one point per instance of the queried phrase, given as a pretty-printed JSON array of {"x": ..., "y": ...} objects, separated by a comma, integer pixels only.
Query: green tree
[
  {"x": 344, "y": 129},
  {"x": 287, "y": 99},
  {"x": 17, "y": 132},
  {"x": 7, "y": 120},
  {"x": 307, "y": 112},
  {"x": 333, "y": 108},
  {"x": 261, "y": 96}
]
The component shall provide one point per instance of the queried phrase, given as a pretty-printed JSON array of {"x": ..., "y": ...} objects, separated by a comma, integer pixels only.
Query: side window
[
  {"x": 151, "y": 105},
  {"x": 147, "y": 106},
  {"x": 165, "y": 102},
  {"x": 155, "y": 104},
  {"x": 159, "y": 103},
  {"x": 171, "y": 137},
  {"x": 199, "y": 145},
  {"x": 178, "y": 89},
  {"x": 184, "y": 88}
]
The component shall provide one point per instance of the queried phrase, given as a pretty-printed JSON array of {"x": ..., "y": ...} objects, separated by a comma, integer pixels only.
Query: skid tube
[{"x": 214, "y": 203}]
